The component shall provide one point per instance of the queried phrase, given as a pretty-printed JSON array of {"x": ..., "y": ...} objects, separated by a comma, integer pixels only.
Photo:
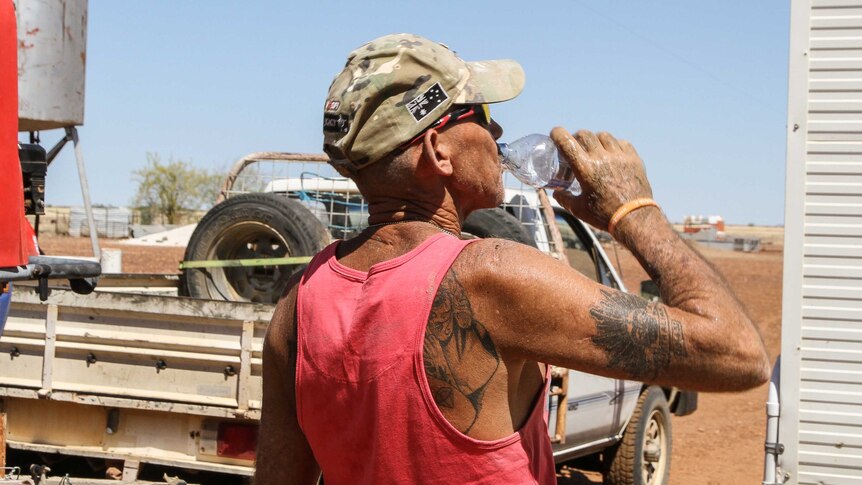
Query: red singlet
[{"x": 363, "y": 400}]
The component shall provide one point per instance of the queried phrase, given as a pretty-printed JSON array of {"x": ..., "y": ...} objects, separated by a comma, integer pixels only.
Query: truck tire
[
  {"x": 643, "y": 455},
  {"x": 497, "y": 223},
  {"x": 251, "y": 226}
]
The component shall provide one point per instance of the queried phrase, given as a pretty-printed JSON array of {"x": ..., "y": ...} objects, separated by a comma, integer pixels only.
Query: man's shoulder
[
  {"x": 282, "y": 326},
  {"x": 493, "y": 250},
  {"x": 491, "y": 259}
]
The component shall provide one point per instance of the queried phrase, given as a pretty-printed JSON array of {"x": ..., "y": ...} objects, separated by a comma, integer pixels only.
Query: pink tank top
[{"x": 363, "y": 400}]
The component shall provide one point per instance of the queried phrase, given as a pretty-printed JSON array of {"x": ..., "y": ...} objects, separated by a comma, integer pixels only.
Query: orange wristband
[{"x": 625, "y": 209}]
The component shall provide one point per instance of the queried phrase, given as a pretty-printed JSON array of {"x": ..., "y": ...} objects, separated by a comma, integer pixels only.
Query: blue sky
[{"x": 699, "y": 88}]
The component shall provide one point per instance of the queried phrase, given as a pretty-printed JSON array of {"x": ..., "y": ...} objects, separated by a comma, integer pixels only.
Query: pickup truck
[{"x": 176, "y": 381}]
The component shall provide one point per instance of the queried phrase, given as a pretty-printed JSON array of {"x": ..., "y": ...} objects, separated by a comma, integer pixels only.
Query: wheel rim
[
  {"x": 250, "y": 240},
  {"x": 655, "y": 452}
]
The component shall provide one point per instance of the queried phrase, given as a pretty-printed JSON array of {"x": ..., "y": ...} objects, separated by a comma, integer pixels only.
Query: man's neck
[{"x": 443, "y": 215}]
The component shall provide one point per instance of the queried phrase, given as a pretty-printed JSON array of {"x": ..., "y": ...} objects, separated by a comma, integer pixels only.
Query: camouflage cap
[{"x": 395, "y": 86}]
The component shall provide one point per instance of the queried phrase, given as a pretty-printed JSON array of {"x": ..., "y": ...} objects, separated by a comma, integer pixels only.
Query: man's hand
[{"x": 609, "y": 170}]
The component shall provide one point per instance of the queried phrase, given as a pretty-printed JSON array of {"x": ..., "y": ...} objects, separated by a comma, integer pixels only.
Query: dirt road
[{"x": 721, "y": 444}]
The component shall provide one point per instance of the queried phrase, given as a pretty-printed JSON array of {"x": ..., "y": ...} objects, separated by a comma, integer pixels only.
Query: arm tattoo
[
  {"x": 638, "y": 337},
  {"x": 459, "y": 356}
]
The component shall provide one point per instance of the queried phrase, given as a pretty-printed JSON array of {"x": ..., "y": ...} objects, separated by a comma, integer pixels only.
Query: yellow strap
[{"x": 626, "y": 208}]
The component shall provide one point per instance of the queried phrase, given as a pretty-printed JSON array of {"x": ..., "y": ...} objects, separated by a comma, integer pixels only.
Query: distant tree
[{"x": 173, "y": 188}]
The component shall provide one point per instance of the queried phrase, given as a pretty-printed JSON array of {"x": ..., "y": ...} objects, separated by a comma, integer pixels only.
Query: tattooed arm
[
  {"x": 700, "y": 338},
  {"x": 544, "y": 311}
]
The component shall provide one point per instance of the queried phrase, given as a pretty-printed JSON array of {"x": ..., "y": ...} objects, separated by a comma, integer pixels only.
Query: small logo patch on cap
[
  {"x": 335, "y": 123},
  {"x": 422, "y": 105},
  {"x": 333, "y": 105}
]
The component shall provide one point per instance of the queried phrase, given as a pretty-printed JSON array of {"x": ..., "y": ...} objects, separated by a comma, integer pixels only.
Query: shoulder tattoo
[
  {"x": 638, "y": 337},
  {"x": 459, "y": 355}
]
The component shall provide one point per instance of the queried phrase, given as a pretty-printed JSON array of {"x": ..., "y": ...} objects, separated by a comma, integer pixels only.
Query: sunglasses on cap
[{"x": 481, "y": 111}]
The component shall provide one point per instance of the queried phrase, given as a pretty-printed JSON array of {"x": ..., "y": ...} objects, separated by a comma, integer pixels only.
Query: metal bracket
[
  {"x": 42, "y": 289},
  {"x": 781, "y": 477},
  {"x": 55, "y": 150},
  {"x": 774, "y": 448}
]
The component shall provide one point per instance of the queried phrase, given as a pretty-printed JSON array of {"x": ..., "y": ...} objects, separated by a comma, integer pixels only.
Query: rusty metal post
[
  {"x": 562, "y": 408},
  {"x": 559, "y": 249},
  {"x": 561, "y": 394}
]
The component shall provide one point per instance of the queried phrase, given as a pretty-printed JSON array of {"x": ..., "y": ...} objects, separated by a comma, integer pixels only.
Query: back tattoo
[{"x": 459, "y": 356}]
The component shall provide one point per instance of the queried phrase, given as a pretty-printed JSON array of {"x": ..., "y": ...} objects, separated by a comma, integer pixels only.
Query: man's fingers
[
  {"x": 627, "y": 147},
  {"x": 609, "y": 142},
  {"x": 588, "y": 140},
  {"x": 575, "y": 205},
  {"x": 578, "y": 159},
  {"x": 570, "y": 148}
]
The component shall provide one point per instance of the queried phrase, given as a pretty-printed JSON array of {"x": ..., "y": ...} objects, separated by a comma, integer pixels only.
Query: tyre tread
[{"x": 620, "y": 460}]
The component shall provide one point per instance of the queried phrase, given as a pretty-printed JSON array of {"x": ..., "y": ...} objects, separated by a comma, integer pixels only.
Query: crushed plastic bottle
[{"x": 535, "y": 161}]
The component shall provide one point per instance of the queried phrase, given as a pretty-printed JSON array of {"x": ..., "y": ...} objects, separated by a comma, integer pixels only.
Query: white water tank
[{"x": 52, "y": 56}]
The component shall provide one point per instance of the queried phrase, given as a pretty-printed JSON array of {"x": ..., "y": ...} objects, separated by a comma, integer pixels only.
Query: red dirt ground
[{"x": 721, "y": 444}]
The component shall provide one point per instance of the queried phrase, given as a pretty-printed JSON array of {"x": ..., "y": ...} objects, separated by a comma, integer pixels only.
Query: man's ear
[{"x": 437, "y": 153}]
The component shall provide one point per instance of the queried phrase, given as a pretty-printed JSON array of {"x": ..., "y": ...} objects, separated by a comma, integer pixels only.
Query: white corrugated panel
[
  {"x": 828, "y": 372},
  {"x": 111, "y": 222}
]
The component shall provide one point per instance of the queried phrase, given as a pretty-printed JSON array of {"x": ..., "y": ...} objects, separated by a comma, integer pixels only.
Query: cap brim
[{"x": 492, "y": 82}]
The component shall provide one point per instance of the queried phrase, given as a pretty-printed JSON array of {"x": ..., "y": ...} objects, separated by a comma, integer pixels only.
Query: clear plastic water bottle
[{"x": 534, "y": 160}]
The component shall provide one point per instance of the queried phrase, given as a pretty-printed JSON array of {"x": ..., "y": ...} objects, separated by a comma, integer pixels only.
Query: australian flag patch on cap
[{"x": 427, "y": 102}]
